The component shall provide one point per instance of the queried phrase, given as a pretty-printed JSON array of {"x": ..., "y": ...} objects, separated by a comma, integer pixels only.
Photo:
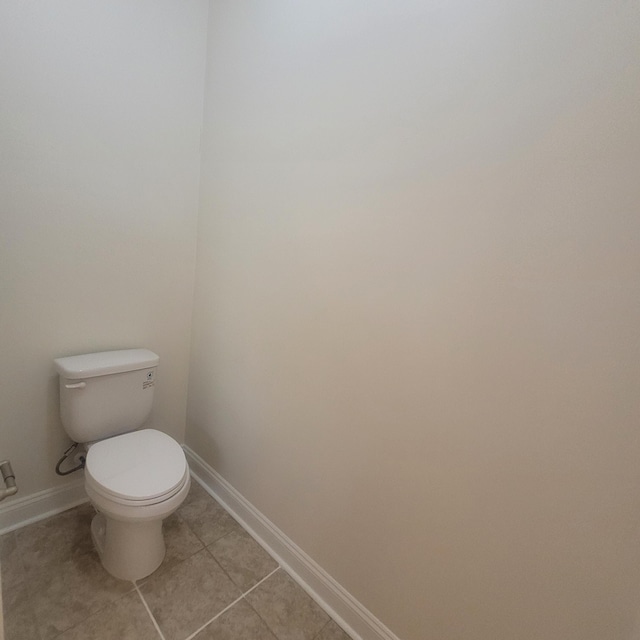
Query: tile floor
[{"x": 216, "y": 583}]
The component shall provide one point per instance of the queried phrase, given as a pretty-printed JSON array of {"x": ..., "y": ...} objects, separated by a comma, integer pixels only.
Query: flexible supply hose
[{"x": 66, "y": 454}]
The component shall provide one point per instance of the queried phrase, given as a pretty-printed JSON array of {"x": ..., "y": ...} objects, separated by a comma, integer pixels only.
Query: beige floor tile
[
  {"x": 11, "y": 562},
  {"x": 242, "y": 558},
  {"x": 288, "y": 611},
  {"x": 332, "y": 631},
  {"x": 56, "y": 539},
  {"x": 240, "y": 622},
  {"x": 125, "y": 619},
  {"x": 180, "y": 541},
  {"x": 197, "y": 492},
  {"x": 197, "y": 496},
  {"x": 205, "y": 517},
  {"x": 189, "y": 594},
  {"x": 19, "y": 618},
  {"x": 66, "y": 593}
]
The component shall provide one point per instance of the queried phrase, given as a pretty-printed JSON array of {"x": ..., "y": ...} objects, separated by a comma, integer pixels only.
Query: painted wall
[
  {"x": 100, "y": 122},
  {"x": 415, "y": 345}
]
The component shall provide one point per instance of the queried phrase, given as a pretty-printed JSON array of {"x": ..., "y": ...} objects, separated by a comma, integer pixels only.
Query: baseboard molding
[
  {"x": 37, "y": 506},
  {"x": 352, "y": 616}
]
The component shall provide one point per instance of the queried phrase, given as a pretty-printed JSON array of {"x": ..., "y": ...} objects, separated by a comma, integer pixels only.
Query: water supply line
[
  {"x": 11, "y": 488},
  {"x": 78, "y": 457}
]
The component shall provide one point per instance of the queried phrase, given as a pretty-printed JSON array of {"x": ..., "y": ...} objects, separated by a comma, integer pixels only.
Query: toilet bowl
[
  {"x": 135, "y": 477},
  {"x": 134, "y": 481}
]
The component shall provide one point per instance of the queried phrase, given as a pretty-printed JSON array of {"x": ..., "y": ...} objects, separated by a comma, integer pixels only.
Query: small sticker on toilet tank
[{"x": 147, "y": 383}]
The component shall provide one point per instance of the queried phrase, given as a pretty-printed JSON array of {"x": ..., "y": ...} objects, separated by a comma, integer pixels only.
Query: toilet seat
[{"x": 137, "y": 468}]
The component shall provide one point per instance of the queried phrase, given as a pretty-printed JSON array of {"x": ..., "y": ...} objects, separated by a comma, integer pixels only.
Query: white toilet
[{"x": 134, "y": 478}]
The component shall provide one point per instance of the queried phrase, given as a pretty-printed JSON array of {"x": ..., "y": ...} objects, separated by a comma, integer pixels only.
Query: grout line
[
  {"x": 257, "y": 584},
  {"x": 206, "y": 624},
  {"x": 146, "y": 606}
]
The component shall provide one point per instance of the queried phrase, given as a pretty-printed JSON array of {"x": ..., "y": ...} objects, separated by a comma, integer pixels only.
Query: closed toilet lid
[{"x": 141, "y": 465}]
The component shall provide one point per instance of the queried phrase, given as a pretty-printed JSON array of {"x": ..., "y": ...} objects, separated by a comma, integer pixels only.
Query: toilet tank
[{"x": 107, "y": 393}]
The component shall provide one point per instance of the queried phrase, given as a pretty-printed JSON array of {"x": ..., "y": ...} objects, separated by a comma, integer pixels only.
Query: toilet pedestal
[
  {"x": 128, "y": 550},
  {"x": 134, "y": 477}
]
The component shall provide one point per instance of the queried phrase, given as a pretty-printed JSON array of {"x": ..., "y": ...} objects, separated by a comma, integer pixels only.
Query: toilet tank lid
[{"x": 90, "y": 365}]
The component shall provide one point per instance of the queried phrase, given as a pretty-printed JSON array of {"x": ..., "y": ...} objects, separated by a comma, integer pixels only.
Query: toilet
[{"x": 134, "y": 477}]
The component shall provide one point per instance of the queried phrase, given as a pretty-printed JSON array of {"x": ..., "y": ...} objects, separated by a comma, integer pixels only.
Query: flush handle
[{"x": 76, "y": 385}]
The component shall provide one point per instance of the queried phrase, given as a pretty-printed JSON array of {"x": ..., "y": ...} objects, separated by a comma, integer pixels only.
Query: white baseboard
[
  {"x": 37, "y": 506},
  {"x": 353, "y": 617}
]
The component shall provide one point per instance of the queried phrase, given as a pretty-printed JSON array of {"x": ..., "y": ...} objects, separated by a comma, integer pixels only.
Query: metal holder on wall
[{"x": 9, "y": 480}]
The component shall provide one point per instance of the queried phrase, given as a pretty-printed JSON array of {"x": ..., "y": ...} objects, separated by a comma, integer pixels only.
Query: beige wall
[
  {"x": 417, "y": 296},
  {"x": 100, "y": 121},
  {"x": 415, "y": 345}
]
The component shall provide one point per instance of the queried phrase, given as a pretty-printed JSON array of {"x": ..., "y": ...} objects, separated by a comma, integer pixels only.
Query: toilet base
[{"x": 128, "y": 550}]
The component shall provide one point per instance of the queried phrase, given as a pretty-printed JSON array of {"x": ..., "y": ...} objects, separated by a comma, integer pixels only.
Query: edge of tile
[
  {"x": 350, "y": 614},
  {"x": 38, "y": 506}
]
